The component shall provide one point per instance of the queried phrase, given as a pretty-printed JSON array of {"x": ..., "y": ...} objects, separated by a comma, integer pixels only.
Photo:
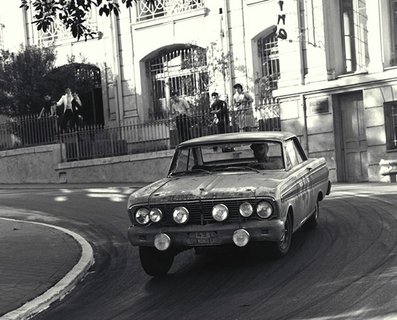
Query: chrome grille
[{"x": 201, "y": 212}]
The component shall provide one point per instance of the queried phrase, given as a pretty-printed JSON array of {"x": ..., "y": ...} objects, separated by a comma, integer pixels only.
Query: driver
[{"x": 260, "y": 150}]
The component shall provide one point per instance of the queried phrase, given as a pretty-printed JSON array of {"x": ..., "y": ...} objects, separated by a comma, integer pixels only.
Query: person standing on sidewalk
[
  {"x": 220, "y": 112},
  {"x": 48, "y": 108},
  {"x": 77, "y": 108},
  {"x": 181, "y": 111},
  {"x": 67, "y": 115},
  {"x": 243, "y": 106}
]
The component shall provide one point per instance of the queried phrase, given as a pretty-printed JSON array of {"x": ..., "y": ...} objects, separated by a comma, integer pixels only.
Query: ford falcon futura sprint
[{"x": 228, "y": 190}]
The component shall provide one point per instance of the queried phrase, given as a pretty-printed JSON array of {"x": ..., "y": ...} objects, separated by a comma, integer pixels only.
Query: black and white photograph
[{"x": 198, "y": 159}]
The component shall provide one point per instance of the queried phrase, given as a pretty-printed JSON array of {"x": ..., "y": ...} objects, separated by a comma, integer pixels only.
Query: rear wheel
[
  {"x": 312, "y": 222},
  {"x": 280, "y": 248},
  {"x": 155, "y": 263}
]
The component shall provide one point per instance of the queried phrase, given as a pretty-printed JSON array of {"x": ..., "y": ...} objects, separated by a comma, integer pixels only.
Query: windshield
[{"x": 248, "y": 155}]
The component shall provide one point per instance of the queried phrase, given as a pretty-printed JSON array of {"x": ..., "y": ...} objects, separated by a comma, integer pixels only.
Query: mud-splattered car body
[{"x": 216, "y": 193}]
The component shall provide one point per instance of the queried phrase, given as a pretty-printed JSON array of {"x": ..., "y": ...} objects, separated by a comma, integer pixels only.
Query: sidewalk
[
  {"x": 40, "y": 263},
  {"x": 34, "y": 258}
]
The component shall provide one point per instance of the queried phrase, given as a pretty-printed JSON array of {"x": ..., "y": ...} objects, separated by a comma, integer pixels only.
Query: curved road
[{"x": 345, "y": 269}]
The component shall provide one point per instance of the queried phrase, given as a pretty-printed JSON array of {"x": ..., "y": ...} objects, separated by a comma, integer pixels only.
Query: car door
[{"x": 296, "y": 162}]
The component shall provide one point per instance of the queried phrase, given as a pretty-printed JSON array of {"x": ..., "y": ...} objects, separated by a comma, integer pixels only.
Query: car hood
[{"x": 210, "y": 186}]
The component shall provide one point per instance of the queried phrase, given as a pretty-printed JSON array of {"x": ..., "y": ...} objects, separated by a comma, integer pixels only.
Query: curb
[{"x": 62, "y": 287}]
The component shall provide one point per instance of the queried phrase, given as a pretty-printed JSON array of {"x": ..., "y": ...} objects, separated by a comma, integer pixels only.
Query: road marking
[{"x": 61, "y": 288}]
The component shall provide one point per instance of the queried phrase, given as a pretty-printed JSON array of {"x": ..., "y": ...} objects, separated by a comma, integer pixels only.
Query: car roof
[{"x": 238, "y": 136}]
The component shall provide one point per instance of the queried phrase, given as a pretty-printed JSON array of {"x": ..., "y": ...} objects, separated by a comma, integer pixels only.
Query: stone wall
[
  {"x": 42, "y": 165},
  {"x": 30, "y": 165}
]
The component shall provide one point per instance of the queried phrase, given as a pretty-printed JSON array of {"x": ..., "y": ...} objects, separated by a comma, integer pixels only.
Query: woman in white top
[
  {"x": 66, "y": 101},
  {"x": 243, "y": 106}
]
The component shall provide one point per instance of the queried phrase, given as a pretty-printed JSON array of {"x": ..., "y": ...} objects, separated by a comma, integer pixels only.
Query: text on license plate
[{"x": 205, "y": 237}]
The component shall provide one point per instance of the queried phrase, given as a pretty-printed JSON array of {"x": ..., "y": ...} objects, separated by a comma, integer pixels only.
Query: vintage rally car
[{"x": 225, "y": 189}]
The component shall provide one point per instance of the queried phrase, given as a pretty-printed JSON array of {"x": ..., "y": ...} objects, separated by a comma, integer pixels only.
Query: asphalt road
[{"x": 345, "y": 269}]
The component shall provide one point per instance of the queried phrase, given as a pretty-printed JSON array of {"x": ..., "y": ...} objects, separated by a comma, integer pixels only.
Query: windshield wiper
[
  {"x": 178, "y": 173},
  {"x": 239, "y": 168},
  {"x": 200, "y": 169}
]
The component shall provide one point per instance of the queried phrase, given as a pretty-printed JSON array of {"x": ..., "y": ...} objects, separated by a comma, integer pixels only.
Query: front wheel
[
  {"x": 280, "y": 248},
  {"x": 155, "y": 263}
]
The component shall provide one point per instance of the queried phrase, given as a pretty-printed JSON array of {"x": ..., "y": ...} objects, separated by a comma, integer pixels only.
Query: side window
[
  {"x": 293, "y": 155},
  {"x": 185, "y": 161},
  {"x": 289, "y": 163},
  {"x": 299, "y": 156}
]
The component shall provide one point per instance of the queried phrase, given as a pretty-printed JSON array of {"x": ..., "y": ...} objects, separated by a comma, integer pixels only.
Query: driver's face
[{"x": 260, "y": 152}]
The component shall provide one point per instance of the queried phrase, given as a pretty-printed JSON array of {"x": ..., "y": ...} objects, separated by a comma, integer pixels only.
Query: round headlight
[
  {"x": 162, "y": 241},
  {"x": 264, "y": 209},
  {"x": 155, "y": 215},
  {"x": 220, "y": 212},
  {"x": 246, "y": 209},
  {"x": 142, "y": 216},
  {"x": 241, "y": 237},
  {"x": 180, "y": 214}
]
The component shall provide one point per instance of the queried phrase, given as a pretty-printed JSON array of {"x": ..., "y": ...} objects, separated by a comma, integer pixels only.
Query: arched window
[
  {"x": 269, "y": 74},
  {"x": 183, "y": 70},
  {"x": 269, "y": 58}
]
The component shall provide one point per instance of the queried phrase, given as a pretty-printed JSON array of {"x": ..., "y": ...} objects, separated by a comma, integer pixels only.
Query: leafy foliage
[
  {"x": 73, "y": 13},
  {"x": 22, "y": 79}
]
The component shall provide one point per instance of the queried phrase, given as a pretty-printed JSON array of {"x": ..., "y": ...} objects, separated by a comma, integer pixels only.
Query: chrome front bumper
[{"x": 206, "y": 235}]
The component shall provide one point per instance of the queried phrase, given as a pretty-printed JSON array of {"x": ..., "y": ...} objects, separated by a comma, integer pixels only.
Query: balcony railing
[
  {"x": 58, "y": 34},
  {"x": 147, "y": 10}
]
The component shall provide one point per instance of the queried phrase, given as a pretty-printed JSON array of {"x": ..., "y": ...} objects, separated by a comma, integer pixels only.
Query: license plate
[{"x": 204, "y": 237}]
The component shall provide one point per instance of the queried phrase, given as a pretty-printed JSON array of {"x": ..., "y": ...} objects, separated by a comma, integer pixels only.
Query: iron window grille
[
  {"x": 390, "y": 111},
  {"x": 147, "y": 10},
  {"x": 183, "y": 70},
  {"x": 269, "y": 107}
]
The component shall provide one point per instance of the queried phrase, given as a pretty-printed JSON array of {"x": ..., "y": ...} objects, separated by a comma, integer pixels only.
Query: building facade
[
  {"x": 331, "y": 65},
  {"x": 341, "y": 98}
]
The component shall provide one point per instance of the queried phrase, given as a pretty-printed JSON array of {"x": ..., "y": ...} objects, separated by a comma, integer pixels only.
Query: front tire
[
  {"x": 155, "y": 263},
  {"x": 280, "y": 248}
]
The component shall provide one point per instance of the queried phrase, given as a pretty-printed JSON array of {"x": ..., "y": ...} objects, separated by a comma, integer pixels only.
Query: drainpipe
[
  {"x": 222, "y": 36},
  {"x": 302, "y": 39},
  {"x": 114, "y": 25},
  {"x": 229, "y": 51},
  {"x": 302, "y": 54},
  {"x": 245, "y": 52},
  {"x": 133, "y": 63},
  {"x": 305, "y": 133}
]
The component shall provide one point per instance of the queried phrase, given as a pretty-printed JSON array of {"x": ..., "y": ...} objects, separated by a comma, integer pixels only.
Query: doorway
[
  {"x": 86, "y": 80},
  {"x": 350, "y": 131}
]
